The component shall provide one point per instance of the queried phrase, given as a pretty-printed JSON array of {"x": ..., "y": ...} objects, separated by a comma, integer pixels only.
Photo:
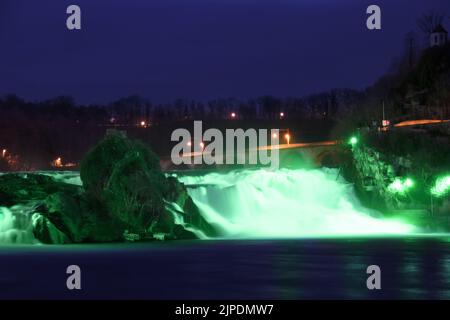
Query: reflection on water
[
  {"x": 412, "y": 268},
  {"x": 444, "y": 274},
  {"x": 354, "y": 264},
  {"x": 411, "y": 274}
]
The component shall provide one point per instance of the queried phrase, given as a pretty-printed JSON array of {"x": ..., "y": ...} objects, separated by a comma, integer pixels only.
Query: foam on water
[
  {"x": 251, "y": 204},
  {"x": 70, "y": 177},
  {"x": 285, "y": 203},
  {"x": 16, "y": 226}
]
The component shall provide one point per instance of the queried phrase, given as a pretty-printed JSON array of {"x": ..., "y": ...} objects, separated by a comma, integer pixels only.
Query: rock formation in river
[{"x": 125, "y": 196}]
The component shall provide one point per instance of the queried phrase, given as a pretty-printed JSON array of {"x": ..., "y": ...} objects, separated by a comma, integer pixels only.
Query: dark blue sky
[{"x": 201, "y": 49}]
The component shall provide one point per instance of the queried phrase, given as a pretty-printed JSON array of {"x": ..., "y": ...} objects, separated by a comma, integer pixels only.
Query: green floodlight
[
  {"x": 441, "y": 187},
  {"x": 353, "y": 140},
  {"x": 400, "y": 186},
  {"x": 396, "y": 186},
  {"x": 409, "y": 183}
]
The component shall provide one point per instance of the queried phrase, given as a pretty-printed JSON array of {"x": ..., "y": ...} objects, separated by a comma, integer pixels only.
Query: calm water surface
[{"x": 412, "y": 268}]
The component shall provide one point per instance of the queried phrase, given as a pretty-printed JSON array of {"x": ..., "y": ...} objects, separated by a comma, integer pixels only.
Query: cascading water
[
  {"x": 17, "y": 222},
  {"x": 285, "y": 203},
  {"x": 251, "y": 204},
  {"x": 16, "y": 225}
]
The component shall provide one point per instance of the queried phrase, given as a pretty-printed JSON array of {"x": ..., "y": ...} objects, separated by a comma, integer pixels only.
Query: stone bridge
[
  {"x": 311, "y": 155},
  {"x": 295, "y": 155}
]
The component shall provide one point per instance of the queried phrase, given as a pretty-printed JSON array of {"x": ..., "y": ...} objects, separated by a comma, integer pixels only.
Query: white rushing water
[
  {"x": 253, "y": 204},
  {"x": 16, "y": 225},
  {"x": 285, "y": 203},
  {"x": 16, "y": 222}
]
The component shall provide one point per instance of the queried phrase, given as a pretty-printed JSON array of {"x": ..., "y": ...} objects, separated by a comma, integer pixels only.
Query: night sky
[{"x": 199, "y": 49}]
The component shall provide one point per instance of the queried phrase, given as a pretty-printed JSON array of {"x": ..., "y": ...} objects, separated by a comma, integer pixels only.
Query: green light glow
[
  {"x": 401, "y": 186},
  {"x": 285, "y": 204},
  {"x": 409, "y": 183},
  {"x": 442, "y": 186},
  {"x": 353, "y": 141},
  {"x": 256, "y": 204}
]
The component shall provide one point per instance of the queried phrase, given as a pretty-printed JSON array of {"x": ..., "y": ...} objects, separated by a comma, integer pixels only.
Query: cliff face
[
  {"x": 398, "y": 187},
  {"x": 374, "y": 175}
]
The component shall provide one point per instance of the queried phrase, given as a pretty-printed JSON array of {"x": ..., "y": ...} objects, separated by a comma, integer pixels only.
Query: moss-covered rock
[
  {"x": 190, "y": 213},
  {"x": 46, "y": 232},
  {"x": 125, "y": 177},
  {"x": 125, "y": 196},
  {"x": 81, "y": 219}
]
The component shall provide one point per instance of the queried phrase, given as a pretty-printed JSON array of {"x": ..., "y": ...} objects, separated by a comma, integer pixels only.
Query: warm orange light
[
  {"x": 281, "y": 114},
  {"x": 57, "y": 162},
  {"x": 287, "y": 136},
  {"x": 202, "y": 145},
  {"x": 233, "y": 115},
  {"x": 4, "y": 153},
  {"x": 143, "y": 124},
  {"x": 419, "y": 122},
  {"x": 189, "y": 144},
  {"x": 274, "y": 136},
  {"x": 300, "y": 145}
]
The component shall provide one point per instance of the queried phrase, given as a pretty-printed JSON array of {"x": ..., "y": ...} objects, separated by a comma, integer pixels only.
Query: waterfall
[
  {"x": 177, "y": 213},
  {"x": 251, "y": 204},
  {"x": 285, "y": 204},
  {"x": 16, "y": 225}
]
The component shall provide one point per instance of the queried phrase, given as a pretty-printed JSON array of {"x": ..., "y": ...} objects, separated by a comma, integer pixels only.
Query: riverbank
[{"x": 400, "y": 173}]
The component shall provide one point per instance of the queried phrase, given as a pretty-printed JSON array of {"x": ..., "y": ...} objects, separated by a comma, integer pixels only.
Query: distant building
[{"x": 438, "y": 37}]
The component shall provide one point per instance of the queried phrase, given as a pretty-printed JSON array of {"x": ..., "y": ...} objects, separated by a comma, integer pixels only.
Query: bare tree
[{"x": 429, "y": 21}]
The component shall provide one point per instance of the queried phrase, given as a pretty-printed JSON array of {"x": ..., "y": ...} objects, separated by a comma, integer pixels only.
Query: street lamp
[
  {"x": 287, "y": 136},
  {"x": 57, "y": 162}
]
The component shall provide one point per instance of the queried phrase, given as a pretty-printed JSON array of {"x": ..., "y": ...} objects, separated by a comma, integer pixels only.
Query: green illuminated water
[
  {"x": 260, "y": 203},
  {"x": 286, "y": 203}
]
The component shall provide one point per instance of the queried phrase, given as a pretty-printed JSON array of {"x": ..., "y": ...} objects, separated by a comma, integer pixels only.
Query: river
[
  {"x": 412, "y": 267},
  {"x": 288, "y": 234}
]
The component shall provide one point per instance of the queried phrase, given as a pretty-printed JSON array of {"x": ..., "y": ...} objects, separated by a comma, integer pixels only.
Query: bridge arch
[
  {"x": 312, "y": 156},
  {"x": 331, "y": 157}
]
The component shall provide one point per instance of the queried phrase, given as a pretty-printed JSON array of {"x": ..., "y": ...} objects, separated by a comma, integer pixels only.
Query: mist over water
[{"x": 286, "y": 204}]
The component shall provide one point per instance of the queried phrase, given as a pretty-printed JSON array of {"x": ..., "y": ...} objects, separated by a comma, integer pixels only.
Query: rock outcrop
[
  {"x": 380, "y": 182},
  {"x": 125, "y": 196}
]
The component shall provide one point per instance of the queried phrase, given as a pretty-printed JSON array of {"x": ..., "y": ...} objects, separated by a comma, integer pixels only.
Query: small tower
[{"x": 438, "y": 37}]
